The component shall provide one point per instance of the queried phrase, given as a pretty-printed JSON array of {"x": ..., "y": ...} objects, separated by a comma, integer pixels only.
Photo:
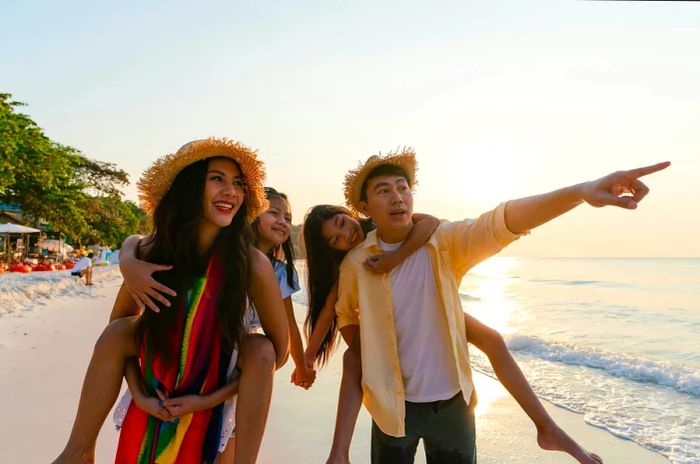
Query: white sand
[{"x": 44, "y": 354}]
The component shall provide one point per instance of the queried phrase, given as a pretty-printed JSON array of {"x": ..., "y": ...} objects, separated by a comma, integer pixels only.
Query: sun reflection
[
  {"x": 484, "y": 293},
  {"x": 488, "y": 392},
  {"x": 485, "y": 296}
]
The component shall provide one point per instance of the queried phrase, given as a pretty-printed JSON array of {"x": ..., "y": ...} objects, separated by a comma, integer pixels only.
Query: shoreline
[{"x": 44, "y": 353}]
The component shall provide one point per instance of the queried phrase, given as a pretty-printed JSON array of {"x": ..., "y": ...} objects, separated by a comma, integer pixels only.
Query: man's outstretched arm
[{"x": 622, "y": 189}]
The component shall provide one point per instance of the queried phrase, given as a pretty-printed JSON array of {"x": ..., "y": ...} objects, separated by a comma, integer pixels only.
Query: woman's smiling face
[{"x": 224, "y": 192}]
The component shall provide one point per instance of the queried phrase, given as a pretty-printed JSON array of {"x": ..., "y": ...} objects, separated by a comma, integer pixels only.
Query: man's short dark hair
[{"x": 382, "y": 170}]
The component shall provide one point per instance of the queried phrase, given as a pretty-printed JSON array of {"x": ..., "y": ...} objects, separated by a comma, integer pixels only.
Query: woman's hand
[
  {"x": 183, "y": 405},
  {"x": 153, "y": 407}
]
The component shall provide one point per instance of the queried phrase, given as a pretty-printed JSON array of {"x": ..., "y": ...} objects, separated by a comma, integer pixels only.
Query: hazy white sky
[{"x": 500, "y": 99}]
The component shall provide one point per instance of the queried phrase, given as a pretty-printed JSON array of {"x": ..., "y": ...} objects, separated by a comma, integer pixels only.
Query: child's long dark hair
[
  {"x": 323, "y": 266},
  {"x": 285, "y": 251},
  {"x": 176, "y": 223}
]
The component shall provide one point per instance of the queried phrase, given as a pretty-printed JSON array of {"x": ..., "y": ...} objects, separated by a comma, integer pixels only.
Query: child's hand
[
  {"x": 153, "y": 407},
  {"x": 184, "y": 405},
  {"x": 309, "y": 360},
  {"x": 143, "y": 287},
  {"x": 382, "y": 263},
  {"x": 303, "y": 377}
]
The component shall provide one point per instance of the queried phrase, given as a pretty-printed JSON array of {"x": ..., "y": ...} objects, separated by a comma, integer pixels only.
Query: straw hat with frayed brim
[
  {"x": 404, "y": 159},
  {"x": 157, "y": 179}
]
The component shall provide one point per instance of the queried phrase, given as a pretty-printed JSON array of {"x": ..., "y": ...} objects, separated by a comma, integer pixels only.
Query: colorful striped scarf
[{"x": 199, "y": 369}]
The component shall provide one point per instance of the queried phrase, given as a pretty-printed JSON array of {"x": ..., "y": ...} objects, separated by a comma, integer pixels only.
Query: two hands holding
[
  {"x": 305, "y": 376},
  {"x": 169, "y": 409}
]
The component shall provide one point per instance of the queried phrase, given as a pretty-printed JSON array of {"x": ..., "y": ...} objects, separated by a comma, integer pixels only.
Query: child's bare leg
[
  {"x": 228, "y": 456},
  {"x": 257, "y": 364},
  {"x": 101, "y": 386},
  {"x": 349, "y": 403},
  {"x": 549, "y": 435}
]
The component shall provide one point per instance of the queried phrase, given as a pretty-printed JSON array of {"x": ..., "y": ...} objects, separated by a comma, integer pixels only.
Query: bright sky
[{"x": 500, "y": 99}]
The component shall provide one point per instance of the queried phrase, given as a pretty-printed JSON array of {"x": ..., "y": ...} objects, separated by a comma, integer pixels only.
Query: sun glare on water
[
  {"x": 485, "y": 287},
  {"x": 484, "y": 296}
]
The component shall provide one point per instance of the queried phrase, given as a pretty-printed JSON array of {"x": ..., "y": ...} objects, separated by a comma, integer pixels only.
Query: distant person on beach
[
  {"x": 416, "y": 375},
  {"x": 114, "y": 257},
  {"x": 83, "y": 268},
  {"x": 199, "y": 352},
  {"x": 329, "y": 233}
]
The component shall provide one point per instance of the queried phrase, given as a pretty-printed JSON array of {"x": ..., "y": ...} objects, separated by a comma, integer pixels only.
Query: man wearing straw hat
[{"x": 417, "y": 380}]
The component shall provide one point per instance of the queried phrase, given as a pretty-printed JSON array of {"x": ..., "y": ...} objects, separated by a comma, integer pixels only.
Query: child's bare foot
[
  {"x": 333, "y": 459},
  {"x": 553, "y": 438},
  {"x": 75, "y": 457}
]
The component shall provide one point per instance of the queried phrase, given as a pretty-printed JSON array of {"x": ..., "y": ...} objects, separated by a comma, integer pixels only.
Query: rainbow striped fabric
[{"x": 199, "y": 369}]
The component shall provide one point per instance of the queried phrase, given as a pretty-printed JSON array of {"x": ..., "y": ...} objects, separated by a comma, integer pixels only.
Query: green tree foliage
[
  {"x": 111, "y": 220},
  {"x": 56, "y": 183},
  {"x": 15, "y": 132}
]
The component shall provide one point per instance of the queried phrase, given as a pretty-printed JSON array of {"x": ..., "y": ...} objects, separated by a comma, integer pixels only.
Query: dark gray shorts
[{"x": 446, "y": 427}]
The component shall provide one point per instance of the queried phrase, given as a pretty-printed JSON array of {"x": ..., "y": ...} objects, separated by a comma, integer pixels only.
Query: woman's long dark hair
[
  {"x": 323, "y": 266},
  {"x": 285, "y": 251},
  {"x": 176, "y": 223}
]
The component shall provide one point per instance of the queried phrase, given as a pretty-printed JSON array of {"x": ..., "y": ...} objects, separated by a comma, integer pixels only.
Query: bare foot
[
  {"x": 75, "y": 457},
  {"x": 553, "y": 438},
  {"x": 332, "y": 459}
]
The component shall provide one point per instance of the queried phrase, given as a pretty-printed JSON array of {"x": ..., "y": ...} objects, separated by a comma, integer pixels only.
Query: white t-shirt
[
  {"x": 426, "y": 360},
  {"x": 82, "y": 264}
]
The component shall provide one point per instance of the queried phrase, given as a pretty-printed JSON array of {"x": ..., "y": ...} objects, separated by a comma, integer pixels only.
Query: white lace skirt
[{"x": 228, "y": 425}]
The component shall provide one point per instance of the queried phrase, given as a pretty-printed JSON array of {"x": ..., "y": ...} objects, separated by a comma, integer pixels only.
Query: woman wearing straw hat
[{"x": 202, "y": 199}]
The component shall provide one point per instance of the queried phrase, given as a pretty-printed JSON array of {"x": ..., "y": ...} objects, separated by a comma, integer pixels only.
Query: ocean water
[{"x": 617, "y": 340}]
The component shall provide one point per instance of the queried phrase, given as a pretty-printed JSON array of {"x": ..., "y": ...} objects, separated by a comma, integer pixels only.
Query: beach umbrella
[
  {"x": 55, "y": 246},
  {"x": 17, "y": 229}
]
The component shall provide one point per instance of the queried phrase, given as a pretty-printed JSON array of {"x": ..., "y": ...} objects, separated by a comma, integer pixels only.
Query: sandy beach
[{"x": 44, "y": 352}]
